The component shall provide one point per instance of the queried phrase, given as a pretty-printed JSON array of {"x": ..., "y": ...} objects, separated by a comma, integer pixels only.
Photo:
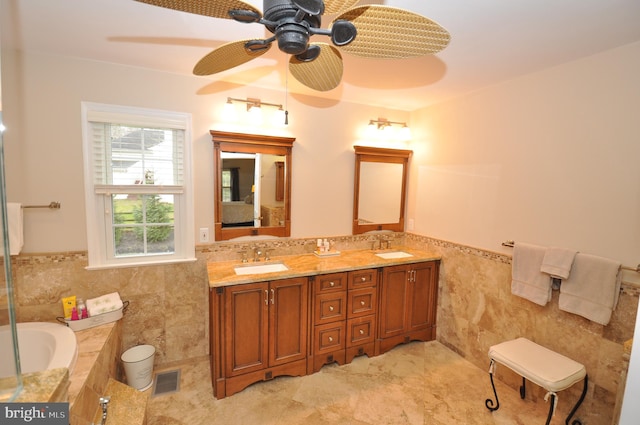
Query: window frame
[{"x": 99, "y": 217}]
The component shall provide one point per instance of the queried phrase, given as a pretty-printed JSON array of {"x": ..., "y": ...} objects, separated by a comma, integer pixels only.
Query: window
[
  {"x": 226, "y": 185},
  {"x": 137, "y": 185}
]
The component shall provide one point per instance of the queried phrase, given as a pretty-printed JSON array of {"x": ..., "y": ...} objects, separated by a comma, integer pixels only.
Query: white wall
[
  {"x": 549, "y": 158},
  {"x": 44, "y": 147}
]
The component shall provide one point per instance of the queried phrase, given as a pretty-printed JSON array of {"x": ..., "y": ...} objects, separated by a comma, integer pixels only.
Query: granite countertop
[
  {"x": 223, "y": 273},
  {"x": 45, "y": 386}
]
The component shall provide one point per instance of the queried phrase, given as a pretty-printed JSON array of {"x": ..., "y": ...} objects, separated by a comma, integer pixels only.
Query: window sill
[{"x": 140, "y": 264}]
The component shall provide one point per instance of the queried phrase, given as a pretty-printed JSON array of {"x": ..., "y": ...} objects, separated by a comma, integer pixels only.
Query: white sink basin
[
  {"x": 394, "y": 254},
  {"x": 260, "y": 268}
]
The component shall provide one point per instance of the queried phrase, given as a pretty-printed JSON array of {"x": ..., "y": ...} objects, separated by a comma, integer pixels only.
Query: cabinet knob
[
  {"x": 330, "y": 308},
  {"x": 332, "y": 284},
  {"x": 361, "y": 332},
  {"x": 330, "y": 339},
  {"x": 362, "y": 303},
  {"x": 363, "y": 279}
]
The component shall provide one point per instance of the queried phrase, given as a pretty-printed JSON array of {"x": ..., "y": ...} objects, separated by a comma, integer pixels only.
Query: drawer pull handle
[
  {"x": 332, "y": 284},
  {"x": 363, "y": 279},
  {"x": 273, "y": 296},
  {"x": 361, "y": 332},
  {"x": 330, "y": 339},
  {"x": 330, "y": 308},
  {"x": 362, "y": 303}
]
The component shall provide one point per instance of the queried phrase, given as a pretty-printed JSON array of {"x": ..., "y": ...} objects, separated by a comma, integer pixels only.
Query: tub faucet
[{"x": 104, "y": 403}]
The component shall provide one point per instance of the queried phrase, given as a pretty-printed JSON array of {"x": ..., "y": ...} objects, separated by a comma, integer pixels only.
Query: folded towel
[
  {"x": 593, "y": 288},
  {"x": 527, "y": 279},
  {"x": 14, "y": 218},
  {"x": 557, "y": 262},
  {"x": 104, "y": 304}
]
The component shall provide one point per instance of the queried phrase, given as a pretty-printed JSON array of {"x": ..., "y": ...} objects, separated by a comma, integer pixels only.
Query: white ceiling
[{"x": 492, "y": 41}]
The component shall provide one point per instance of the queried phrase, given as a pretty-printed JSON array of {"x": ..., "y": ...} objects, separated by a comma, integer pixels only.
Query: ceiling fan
[{"x": 371, "y": 31}]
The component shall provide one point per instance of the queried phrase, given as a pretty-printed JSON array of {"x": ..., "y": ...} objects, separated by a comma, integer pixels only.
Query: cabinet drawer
[
  {"x": 362, "y": 302},
  {"x": 330, "y": 307},
  {"x": 363, "y": 278},
  {"x": 330, "y": 282},
  {"x": 360, "y": 330},
  {"x": 329, "y": 337}
]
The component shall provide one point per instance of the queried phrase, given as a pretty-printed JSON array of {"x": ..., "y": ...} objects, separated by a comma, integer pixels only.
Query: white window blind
[{"x": 137, "y": 185}]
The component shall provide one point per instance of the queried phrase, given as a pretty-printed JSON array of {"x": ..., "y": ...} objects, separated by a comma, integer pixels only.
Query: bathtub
[{"x": 42, "y": 346}]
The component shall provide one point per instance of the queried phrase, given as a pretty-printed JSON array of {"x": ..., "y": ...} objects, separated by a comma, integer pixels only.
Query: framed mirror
[
  {"x": 380, "y": 187},
  {"x": 252, "y": 183}
]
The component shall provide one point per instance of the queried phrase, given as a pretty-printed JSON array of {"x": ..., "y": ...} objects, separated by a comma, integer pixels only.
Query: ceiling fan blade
[
  {"x": 213, "y": 8},
  {"x": 226, "y": 57},
  {"x": 392, "y": 33},
  {"x": 338, "y": 6},
  {"x": 323, "y": 73}
]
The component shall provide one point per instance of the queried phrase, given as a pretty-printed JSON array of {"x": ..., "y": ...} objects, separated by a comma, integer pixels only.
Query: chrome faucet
[
  {"x": 257, "y": 252},
  {"x": 384, "y": 242},
  {"x": 244, "y": 256},
  {"x": 104, "y": 403}
]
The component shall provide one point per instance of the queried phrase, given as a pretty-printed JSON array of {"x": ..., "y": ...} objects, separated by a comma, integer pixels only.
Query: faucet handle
[
  {"x": 267, "y": 254},
  {"x": 257, "y": 252},
  {"x": 244, "y": 256}
]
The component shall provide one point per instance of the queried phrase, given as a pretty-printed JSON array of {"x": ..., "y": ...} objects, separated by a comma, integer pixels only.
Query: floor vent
[{"x": 166, "y": 382}]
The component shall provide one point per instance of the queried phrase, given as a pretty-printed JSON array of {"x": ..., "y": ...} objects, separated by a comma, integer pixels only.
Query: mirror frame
[
  {"x": 250, "y": 143},
  {"x": 385, "y": 155}
]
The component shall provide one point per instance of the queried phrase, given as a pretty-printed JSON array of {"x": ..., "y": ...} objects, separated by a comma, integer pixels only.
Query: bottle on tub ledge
[{"x": 83, "y": 313}]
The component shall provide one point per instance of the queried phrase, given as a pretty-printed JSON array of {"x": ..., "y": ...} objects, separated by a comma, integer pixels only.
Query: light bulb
[{"x": 229, "y": 112}]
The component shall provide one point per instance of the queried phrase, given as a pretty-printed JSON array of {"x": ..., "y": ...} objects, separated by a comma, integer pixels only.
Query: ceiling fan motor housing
[{"x": 291, "y": 32}]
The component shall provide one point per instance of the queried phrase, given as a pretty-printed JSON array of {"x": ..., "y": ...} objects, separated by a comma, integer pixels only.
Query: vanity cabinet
[
  {"x": 329, "y": 316},
  {"x": 259, "y": 331},
  {"x": 408, "y": 301},
  {"x": 362, "y": 308},
  {"x": 295, "y": 326},
  {"x": 344, "y": 317}
]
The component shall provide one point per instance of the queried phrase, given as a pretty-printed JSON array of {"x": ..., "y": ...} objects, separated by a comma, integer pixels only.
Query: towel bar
[
  {"x": 52, "y": 205},
  {"x": 510, "y": 244}
]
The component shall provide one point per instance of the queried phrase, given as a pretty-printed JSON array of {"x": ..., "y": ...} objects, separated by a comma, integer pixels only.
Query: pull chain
[{"x": 286, "y": 97}]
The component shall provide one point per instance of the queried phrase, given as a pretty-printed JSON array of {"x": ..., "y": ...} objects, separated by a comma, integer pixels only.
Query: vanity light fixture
[
  {"x": 254, "y": 108},
  {"x": 386, "y": 126}
]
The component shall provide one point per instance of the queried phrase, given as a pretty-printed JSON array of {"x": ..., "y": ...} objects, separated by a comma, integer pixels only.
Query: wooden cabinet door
[
  {"x": 246, "y": 328},
  {"x": 422, "y": 296},
  {"x": 288, "y": 320},
  {"x": 393, "y": 301}
]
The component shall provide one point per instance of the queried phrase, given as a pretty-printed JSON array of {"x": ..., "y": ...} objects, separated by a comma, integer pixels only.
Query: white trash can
[{"x": 138, "y": 366}]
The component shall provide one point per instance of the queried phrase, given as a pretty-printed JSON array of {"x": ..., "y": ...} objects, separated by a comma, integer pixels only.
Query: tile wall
[{"x": 169, "y": 308}]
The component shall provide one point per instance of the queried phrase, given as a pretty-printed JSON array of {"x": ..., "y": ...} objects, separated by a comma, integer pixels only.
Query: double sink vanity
[{"x": 294, "y": 314}]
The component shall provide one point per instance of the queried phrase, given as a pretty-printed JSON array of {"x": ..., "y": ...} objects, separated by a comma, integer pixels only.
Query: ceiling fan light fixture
[{"x": 293, "y": 38}]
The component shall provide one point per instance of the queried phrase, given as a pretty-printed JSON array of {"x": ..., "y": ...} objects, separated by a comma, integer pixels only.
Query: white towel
[
  {"x": 593, "y": 288},
  {"x": 557, "y": 262},
  {"x": 104, "y": 304},
  {"x": 527, "y": 279},
  {"x": 16, "y": 238}
]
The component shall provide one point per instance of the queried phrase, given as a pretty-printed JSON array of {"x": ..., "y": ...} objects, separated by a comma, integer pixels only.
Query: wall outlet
[
  {"x": 410, "y": 224},
  {"x": 204, "y": 234}
]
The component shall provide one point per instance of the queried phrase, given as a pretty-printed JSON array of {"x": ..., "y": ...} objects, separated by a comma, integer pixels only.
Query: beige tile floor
[{"x": 416, "y": 383}]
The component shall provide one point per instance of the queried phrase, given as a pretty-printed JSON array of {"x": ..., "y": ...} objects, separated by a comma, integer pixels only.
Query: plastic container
[{"x": 138, "y": 366}]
